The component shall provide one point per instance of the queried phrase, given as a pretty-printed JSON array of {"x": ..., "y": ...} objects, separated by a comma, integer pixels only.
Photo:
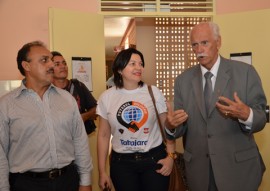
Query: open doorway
[
  {"x": 124, "y": 32},
  {"x": 114, "y": 31},
  {"x": 164, "y": 42}
]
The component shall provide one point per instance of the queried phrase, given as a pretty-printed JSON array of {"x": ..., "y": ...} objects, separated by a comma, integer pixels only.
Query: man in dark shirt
[{"x": 86, "y": 102}]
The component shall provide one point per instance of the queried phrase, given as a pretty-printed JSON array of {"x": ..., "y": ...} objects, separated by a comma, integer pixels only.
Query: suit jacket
[{"x": 236, "y": 161}]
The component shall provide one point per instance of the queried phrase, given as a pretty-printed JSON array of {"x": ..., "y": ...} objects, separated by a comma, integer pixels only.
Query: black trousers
[
  {"x": 69, "y": 181},
  {"x": 137, "y": 171}
]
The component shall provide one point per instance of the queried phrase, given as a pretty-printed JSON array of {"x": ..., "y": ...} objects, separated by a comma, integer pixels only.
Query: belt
[
  {"x": 139, "y": 155},
  {"x": 51, "y": 174}
]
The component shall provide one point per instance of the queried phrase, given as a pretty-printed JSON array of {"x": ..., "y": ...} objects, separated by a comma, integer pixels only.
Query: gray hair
[
  {"x": 213, "y": 26},
  {"x": 215, "y": 29}
]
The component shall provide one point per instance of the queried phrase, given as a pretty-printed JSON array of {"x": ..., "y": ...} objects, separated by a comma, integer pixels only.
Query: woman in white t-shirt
[{"x": 139, "y": 160}]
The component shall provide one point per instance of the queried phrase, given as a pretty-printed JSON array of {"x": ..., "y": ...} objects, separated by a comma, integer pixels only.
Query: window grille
[{"x": 173, "y": 51}]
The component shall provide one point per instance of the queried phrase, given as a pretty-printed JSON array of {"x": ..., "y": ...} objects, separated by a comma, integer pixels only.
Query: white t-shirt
[{"x": 131, "y": 115}]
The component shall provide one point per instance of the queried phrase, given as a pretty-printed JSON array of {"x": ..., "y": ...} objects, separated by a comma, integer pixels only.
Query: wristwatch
[{"x": 172, "y": 155}]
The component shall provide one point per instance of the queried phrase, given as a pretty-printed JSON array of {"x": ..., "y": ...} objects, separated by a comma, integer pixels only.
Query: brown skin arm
[
  {"x": 103, "y": 142},
  {"x": 85, "y": 188},
  {"x": 90, "y": 114},
  {"x": 167, "y": 163}
]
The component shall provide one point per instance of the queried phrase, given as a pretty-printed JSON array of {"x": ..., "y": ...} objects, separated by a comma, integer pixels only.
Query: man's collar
[{"x": 214, "y": 69}]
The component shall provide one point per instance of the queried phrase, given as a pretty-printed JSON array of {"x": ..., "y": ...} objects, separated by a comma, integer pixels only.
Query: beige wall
[
  {"x": 249, "y": 32},
  {"x": 23, "y": 21},
  {"x": 81, "y": 39},
  {"x": 145, "y": 40},
  {"x": 232, "y": 6}
]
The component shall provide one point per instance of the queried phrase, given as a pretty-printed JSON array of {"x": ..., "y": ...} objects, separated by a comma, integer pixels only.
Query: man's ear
[
  {"x": 219, "y": 42},
  {"x": 26, "y": 66}
]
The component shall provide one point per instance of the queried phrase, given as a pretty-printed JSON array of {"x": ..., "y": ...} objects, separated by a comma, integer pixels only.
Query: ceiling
[{"x": 114, "y": 30}]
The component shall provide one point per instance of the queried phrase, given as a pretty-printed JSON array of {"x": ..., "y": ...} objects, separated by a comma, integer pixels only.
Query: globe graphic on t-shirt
[{"x": 132, "y": 114}]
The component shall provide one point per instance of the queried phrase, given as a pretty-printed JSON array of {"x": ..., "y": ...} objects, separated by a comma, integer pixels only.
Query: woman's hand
[
  {"x": 105, "y": 181},
  {"x": 167, "y": 165}
]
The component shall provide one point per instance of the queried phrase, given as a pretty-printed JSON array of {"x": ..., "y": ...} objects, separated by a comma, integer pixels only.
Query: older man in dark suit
[{"x": 218, "y": 115}]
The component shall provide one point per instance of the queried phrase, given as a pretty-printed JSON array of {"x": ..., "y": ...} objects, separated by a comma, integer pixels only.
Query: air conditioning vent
[{"x": 162, "y": 7}]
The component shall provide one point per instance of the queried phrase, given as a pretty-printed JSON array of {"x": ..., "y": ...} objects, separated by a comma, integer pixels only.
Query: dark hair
[
  {"x": 23, "y": 54},
  {"x": 120, "y": 62},
  {"x": 55, "y": 53}
]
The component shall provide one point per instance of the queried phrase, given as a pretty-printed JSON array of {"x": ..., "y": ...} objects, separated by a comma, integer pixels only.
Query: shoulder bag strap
[{"x": 159, "y": 122}]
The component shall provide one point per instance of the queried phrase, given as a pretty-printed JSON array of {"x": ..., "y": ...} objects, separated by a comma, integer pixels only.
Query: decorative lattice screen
[{"x": 173, "y": 50}]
